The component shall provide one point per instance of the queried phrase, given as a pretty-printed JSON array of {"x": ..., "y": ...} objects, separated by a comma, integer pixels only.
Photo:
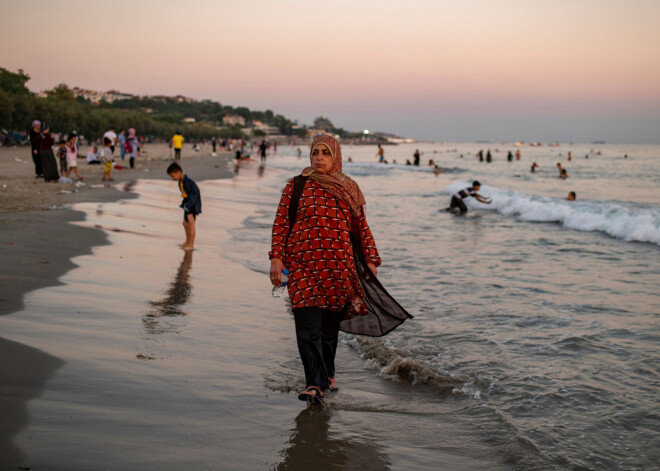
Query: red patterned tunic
[{"x": 319, "y": 254}]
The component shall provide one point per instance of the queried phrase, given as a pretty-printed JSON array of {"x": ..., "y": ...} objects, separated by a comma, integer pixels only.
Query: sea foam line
[{"x": 625, "y": 221}]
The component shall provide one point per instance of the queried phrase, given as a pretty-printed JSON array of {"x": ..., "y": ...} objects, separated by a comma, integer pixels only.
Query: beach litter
[{"x": 65, "y": 180}]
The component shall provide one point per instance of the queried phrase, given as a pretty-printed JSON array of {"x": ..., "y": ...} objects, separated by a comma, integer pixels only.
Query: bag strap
[{"x": 298, "y": 185}]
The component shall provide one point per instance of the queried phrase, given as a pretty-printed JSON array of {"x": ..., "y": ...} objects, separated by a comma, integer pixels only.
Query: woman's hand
[
  {"x": 373, "y": 269},
  {"x": 357, "y": 303},
  {"x": 276, "y": 269}
]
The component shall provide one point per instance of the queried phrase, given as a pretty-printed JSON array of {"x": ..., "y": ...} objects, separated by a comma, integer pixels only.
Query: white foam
[{"x": 625, "y": 221}]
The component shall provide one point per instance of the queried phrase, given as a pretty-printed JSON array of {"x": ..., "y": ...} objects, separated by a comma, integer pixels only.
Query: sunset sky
[{"x": 456, "y": 70}]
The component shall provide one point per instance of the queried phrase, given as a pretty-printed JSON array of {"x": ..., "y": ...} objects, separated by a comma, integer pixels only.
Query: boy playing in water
[
  {"x": 457, "y": 206},
  {"x": 106, "y": 158},
  {"x": 191, "y": 204}
]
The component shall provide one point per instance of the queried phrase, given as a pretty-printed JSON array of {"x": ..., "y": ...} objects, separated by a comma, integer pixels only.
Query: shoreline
[{"x": 38, "y": 241}]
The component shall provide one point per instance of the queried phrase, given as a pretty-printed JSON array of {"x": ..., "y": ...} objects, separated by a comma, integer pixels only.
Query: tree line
[{"x": 155, "y": 117}]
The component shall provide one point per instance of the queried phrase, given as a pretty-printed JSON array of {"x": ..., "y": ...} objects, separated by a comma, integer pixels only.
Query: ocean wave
[
  {"x": 374, "y": 168},
  {"x": 396, "y": 366},
  {"x": 626, "y": 221}
]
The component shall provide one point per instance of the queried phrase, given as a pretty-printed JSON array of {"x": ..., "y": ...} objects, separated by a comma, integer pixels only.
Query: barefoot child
[
  {"x": 191, "y": 204},
  {"x": 106, "y": 158}
]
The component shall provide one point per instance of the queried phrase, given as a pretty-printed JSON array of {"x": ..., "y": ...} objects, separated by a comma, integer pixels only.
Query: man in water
[
  {"x": 560, "y": 169},
  {"x": 381, "y": 154},
  {"x": 457, "y": 205},
  {"x": 534, "y": 167},
  {"x": 571, "y": 196}
]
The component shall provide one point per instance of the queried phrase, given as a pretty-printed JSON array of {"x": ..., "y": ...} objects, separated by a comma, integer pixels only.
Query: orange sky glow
[{"x": 415, "y": 62}]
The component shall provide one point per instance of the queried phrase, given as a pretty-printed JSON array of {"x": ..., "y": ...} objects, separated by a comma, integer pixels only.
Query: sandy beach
[{"x": 38, "y": 240}]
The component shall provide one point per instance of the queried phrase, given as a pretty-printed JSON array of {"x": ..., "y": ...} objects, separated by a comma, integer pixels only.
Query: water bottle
[{"x": 279, "y": 290}]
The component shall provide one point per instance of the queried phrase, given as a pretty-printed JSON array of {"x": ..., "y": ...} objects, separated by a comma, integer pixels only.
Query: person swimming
[
  {"x": 458, "y": 206},
  {"x": 571, "y": 196}
]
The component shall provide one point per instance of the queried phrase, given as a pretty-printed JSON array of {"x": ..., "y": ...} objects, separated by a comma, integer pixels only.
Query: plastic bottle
[{"x": 279, "y": 290}]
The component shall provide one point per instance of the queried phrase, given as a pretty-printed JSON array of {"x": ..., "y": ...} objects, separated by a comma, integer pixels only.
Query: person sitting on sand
[
  {"x": 93, "y": 156},
  {"x": 325, "y": 278},
  {"x": 457, "y": 204},
  {"x": 191, "y": 204},
  {"x": 571, "y": 196}
]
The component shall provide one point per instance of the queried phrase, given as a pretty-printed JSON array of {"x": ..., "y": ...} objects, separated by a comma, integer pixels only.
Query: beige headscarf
[{"x": 335, "y": 182}]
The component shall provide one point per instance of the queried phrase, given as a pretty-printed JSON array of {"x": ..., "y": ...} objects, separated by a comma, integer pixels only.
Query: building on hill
[
  {"x": 96, "y": 97},
  {"x": 183, "y": 99},
  {"x": 233, "y": 120},
  {"x": 265, "y": 128}
]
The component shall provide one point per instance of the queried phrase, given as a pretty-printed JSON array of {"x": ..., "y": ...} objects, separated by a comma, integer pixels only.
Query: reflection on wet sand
[
  {"x": 314, "y": 446},
  {"x": 24, "y": 371},
  {"x": 165, "y": 314}
]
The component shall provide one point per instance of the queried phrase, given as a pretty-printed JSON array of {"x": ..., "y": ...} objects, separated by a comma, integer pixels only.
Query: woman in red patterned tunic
[{"x": 317, "y": 250}]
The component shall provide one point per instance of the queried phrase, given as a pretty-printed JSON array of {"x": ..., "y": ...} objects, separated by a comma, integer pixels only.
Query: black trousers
[
  {"x": 36, "y": 158},
  {"x": 458, "y": 203},
  {"x": 177, "y": 154},
  {"x": 317, "y": 333},
  {"x": 132, "y": 161}
]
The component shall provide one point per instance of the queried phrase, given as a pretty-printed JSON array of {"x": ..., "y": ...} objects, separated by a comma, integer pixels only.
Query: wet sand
[
  {"x": 38, "y": 240},
  {"x": 161, "y": 359}
]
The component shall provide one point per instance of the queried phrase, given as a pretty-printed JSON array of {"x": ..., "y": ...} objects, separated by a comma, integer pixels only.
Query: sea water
[
  {"x": 534, "y": 343},
  {"x": 536, "y": 318}
]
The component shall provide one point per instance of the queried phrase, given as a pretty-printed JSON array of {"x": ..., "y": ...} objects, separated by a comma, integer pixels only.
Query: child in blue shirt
[{"x": 191, "y": 204}]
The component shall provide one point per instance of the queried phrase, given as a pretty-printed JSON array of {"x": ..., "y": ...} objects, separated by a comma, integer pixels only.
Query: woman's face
[{"x": 321, "y": 159}]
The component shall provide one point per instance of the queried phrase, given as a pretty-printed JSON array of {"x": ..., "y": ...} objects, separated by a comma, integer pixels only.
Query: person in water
[
  {"x": 381, "y": 154},
  {"x": 560, "y": 169},
  {"x": 416, "y": 157},
  {"x": 191, "y": 204},
  {"x": 324, "y": 285},
  {"x": 534, "y": 167},
  {"x": 571, "y": 196},
  {"x": 457, "y": 198}
]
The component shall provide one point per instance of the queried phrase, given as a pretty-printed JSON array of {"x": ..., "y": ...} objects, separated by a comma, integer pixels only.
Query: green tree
[
  {"x": 61, "y": 92},
  {"x": 14, "y": 83},
  {"x": 323, "y": 123}
]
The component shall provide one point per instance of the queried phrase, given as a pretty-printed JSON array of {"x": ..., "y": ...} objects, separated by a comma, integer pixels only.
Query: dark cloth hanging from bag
[{"x": 384, "y": 313}]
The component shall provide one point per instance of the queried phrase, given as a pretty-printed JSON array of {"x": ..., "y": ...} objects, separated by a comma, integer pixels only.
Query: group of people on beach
[{"x": 42, "y": 141}]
